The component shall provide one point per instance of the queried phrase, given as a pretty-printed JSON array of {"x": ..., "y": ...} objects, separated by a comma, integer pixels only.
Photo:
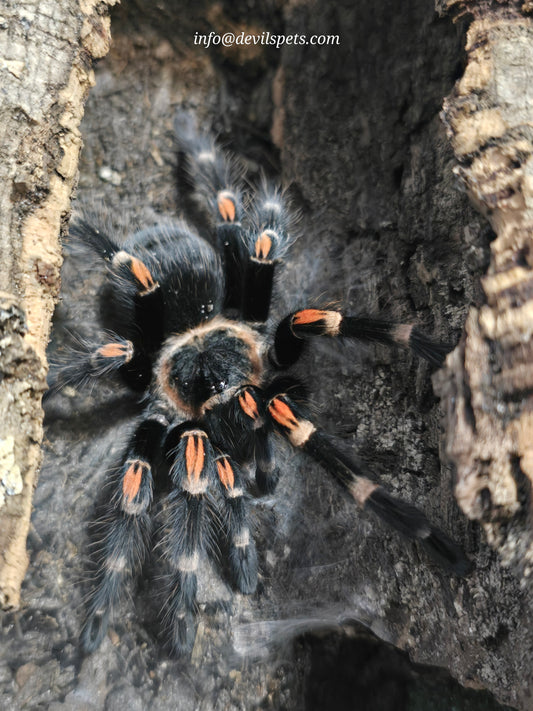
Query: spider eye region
[{"x": 206, "y": 309}]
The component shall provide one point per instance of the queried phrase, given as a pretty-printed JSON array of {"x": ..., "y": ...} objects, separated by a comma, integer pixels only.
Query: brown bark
[
  {"x": 488, "y": 385},
  {"x": 46, "y": 50}
]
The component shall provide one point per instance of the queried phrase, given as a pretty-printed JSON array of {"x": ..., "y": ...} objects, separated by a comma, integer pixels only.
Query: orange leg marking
[
  {"x": 283, "y": 414},
  {"x": 132, "y": 481},
  {"x": 225, "y": 473},
  {"x": 226, "y": 207},
  {"x": 263, "y": 246},
  {"x": 309, "y": 316},
  {"x": 141, "y": 272},
  {"x": 115, "y": 350},
  {"x": 194, "y": 457},
  {"x": 111, "y": 350},
  {"x": 249, "y": 405}
]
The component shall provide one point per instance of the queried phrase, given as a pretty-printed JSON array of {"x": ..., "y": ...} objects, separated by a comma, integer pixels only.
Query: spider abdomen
[{"x": 188, "y": 270}]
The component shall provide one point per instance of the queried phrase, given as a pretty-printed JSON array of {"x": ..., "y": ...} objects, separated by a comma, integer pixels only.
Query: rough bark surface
[
  {"x": 488, "y": 384},
  {"x": 46, "y": 50},
  {"x": 354, "y": 131}
]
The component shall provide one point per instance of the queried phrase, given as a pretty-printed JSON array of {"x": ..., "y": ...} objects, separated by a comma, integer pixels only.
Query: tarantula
[{"x": 188, "y": 328}]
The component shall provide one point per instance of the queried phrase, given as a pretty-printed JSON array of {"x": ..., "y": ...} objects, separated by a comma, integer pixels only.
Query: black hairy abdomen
[{"x": 191, "y": 286}]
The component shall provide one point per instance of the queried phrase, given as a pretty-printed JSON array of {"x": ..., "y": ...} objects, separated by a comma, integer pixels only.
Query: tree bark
[
  {"x": 487, "y": 386},
  {"x": 46, "y": 50}
]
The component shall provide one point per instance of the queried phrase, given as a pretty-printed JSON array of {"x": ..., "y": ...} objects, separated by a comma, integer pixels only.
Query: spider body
[
  {"x": 188, "y": 326},
  {"x": 206, "y": 365}
]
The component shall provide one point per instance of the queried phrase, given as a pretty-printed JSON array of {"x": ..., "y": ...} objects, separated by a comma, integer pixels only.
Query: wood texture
[
  {"x": 488, "y": 386},
  {"x": 46, "y": 53}
]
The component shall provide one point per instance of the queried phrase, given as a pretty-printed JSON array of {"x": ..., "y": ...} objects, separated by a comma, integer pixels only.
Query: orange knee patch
[
  {"x": 142, "y": 274},
  {"x": 225, "y": 473},
  {"x": 309, "y": 316},
  {"x": 116, "y": 350},
  {"x": 194, "y": 456},
  {"x": 131, "y": 482},
  {"x": 263, "y": 246},
  {"x": 282, "y": 413},
  {"x": 328, "y": 323},
  {"x": 226, "y": 206},
  {"x": 248, "y": 404}
]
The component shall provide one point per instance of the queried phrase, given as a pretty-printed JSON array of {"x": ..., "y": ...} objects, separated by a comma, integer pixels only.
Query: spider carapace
[{"x": 187, "y": 324}]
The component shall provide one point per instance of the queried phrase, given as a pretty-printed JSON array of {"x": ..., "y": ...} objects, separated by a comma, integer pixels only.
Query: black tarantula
[{"x": 188, "y": 328}]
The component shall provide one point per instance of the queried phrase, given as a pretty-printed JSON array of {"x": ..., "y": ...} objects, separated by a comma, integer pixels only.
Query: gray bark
[{"x": 45, "y": 74}]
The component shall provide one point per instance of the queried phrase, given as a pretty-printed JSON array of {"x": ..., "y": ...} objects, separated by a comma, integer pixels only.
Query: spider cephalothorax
[
  {"x": 207, "y": 364},
  {"x": 188, "y": 325}
]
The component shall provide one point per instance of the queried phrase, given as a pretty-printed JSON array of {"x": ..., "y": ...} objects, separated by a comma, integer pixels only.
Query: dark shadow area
[{"x": 349, "y": 670}]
